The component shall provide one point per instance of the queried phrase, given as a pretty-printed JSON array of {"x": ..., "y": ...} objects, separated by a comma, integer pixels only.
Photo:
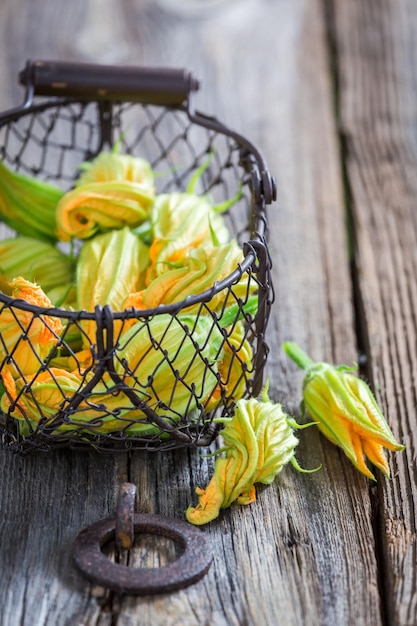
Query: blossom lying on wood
[
  {"x": 259, "y": 442},
  {"x": 345, "y": 411}
]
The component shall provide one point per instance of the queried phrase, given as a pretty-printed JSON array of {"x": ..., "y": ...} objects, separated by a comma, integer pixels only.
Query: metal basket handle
[{"x": 163, "y": 86}]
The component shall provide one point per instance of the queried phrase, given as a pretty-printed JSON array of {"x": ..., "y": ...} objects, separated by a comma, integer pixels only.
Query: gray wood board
[{"x": 375, "y": 54}]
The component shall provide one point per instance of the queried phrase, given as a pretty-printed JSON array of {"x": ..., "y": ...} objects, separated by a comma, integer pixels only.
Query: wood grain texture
[
  {"x": 375, "y": 46},
  {"x": 304, "y": 553}
]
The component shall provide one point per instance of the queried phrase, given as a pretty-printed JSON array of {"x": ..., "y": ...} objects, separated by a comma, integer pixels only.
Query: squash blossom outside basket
[
  {"x": 346, "y": 411},
  {"x": 259, "y": 441}
]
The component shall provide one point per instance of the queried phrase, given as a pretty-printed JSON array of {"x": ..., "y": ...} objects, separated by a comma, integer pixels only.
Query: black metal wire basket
[{"x": 153, "y": 378}]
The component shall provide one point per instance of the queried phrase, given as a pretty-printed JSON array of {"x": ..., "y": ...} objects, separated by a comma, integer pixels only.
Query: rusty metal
[
  {"x": 192, "y": 565},
  {"x": 125, "y": 528}
]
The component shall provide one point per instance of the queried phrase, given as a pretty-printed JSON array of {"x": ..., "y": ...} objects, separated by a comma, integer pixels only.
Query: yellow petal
[
  {"x": 100, "y": 207},
  {"x": 248, "y": 497},
  {"x": 112, "y": 166},
  {"x": 258, "y": 443},
  {"x": 210, "y": 502},
  {"x": 376, "y": 455},
  {"x": 25, "y": 337},
  {"x": 359, "y": 460}
]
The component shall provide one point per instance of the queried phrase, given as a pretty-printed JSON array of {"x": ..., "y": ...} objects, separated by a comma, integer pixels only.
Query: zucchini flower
[
  {"x": 181, "y": 222},
  {"x": 109, "y": 267},
  {"x": 99, "y": 207},
  {"x": 259, "y": 442},
  {"x": 28, "y": 205},
  {"x": 111, "y": 166},
  {"x": 345, "y": 411},
  {"x": 171, "y": 362},
  {"x": 26, "y": 339},
  {"x": 38, "y": 261},
  {"x": 41, "y": 403},
  {"x": 198, "y": 271}
]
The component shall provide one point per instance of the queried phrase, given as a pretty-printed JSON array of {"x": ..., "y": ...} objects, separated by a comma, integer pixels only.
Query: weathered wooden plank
[
  {"x": 305, "y": 549},
  {"x": 375, "y": 46}
]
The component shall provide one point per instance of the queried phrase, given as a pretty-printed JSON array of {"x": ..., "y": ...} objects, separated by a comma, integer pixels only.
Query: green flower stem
[
  {"x": 199, "y": 172},
  {"x": 236, "y": 312},
  {"x": 297, "y": 355}
]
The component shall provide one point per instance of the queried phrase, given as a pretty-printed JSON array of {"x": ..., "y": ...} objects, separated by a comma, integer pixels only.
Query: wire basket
[{"x": 154, "y": 378}]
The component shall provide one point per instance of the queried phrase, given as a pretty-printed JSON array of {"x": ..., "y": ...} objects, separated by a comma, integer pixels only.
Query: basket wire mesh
[{"x": 155, "y": 378}]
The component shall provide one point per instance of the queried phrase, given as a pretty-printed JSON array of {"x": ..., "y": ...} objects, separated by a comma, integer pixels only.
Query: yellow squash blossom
[
  {"x": 195, "y": 273},
  {"x": 112, "y": 166},
  {"x": 171, "y": 362},
  {"x": 28, "y": 205},
  {"x": 113, "y": 191},
  {"x": 235, "y": 366},
  {"x": 345, "y": 411},
  {"x": 43, "y": 404},
  {"x": 110, "y": 266},
  {"x": 37, "y": 261},
  {"x": 25, "y": 338},
  {"x": 181, "y": 222},
  {"x": 99, "y": 207},
  {"x": 259, "y": 442}
]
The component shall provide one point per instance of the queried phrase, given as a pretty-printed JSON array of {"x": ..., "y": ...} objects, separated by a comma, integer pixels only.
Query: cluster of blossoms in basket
[{"x": 136, "y": 250}]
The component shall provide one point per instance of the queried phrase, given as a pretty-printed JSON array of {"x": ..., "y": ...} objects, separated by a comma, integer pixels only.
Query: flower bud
[
  {"x": 26, "y": 338},
  {"x": 195, "y": 273},
  {"x": 109, "y": 268},
  {"x": 28, "y": 204},
  {"x": 345, "y": 411},
  {"x": 44, "y": 405},
  {"x": 171, "y": 362},
  {"x": 235, "y": 366},
  {"x": 181, "y": 222},
  {"x": 99, "y": 207},
  {"x": 112, "y": 166},
  {"x": 37, "y": 261},
  {"x": 259, "y": 441}
]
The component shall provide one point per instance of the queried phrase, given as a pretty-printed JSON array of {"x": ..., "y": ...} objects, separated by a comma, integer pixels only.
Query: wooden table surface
[{"x": 327, "y": 89}]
